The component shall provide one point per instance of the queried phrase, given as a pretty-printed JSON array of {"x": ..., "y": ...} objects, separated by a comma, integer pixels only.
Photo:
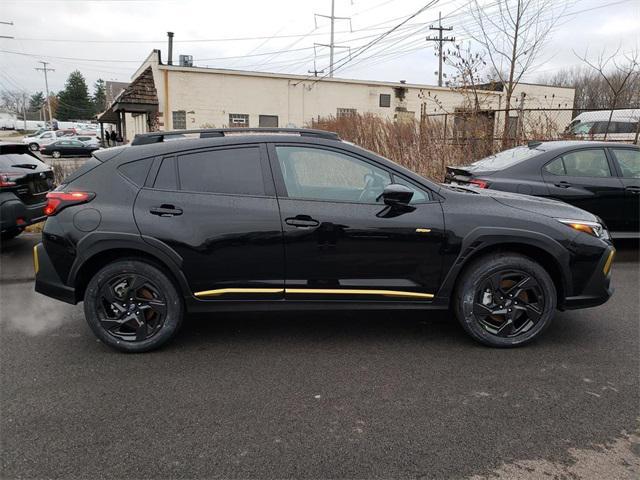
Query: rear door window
[
  {"x": 587, "y": 163},
  {"x": 628, "y": 160},
  {"x": 226, "y": 171}
]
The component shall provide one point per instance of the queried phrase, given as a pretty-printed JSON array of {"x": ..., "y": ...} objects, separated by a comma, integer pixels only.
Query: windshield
[{"x": 505, "y": 159}]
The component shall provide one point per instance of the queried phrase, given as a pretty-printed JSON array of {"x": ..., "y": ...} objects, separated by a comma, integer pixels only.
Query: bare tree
[
  {"x": 512, "y": 37},
  {"x": 617, "y": 74},
  {"x": 15, "y": 102},
  {"x": 468, "y": 71}
]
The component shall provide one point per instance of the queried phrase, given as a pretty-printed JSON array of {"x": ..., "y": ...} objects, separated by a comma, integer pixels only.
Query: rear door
[
  {"x": 627, "y": 160},
  {"x": 217, "y": 209},
  {"x": 341, "y": 241},
  {"x": 587, "y": 179}
]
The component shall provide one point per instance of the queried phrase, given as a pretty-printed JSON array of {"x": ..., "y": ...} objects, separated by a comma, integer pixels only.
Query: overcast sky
[{"x": 109, "y": 38}]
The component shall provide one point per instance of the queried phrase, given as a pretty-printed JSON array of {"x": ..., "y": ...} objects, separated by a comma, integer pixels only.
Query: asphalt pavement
[{"x": 340, "y": 395}]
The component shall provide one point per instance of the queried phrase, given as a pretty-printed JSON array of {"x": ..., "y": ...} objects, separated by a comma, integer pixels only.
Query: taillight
[
  {"x": 8, "y": 179},
  {"x": 56, "y": 201},
  {"x": 479, "y": 183}
]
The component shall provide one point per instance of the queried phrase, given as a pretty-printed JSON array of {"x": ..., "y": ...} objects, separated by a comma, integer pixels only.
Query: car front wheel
[
  {"x": 34, "y": 147},
  {"x": 505, "y": 300},
  {"x": 56, "y": 154},
  {"x": 133, "y": 306}
]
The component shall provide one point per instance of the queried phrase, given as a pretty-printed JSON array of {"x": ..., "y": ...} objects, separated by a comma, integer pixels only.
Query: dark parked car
[
  {"x": 602, "y": 178},
  {"x": 68, "y": 148},
  {"x": 299, "y": 220},
  {"x": 24, "y": 182}
]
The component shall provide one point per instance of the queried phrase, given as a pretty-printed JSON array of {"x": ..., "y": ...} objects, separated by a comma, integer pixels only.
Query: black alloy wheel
[
  {"x": 509, "y": 303},
  {"x": 133, "y": 306},
  {"x": 505, "y": 300}
]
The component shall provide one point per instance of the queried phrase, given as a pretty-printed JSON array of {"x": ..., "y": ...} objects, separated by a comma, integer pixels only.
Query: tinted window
[
  {"x": 556, "y": 167},
  {"x": 166, "y": 178},
  {"x": 587, "y": 163},
  {"x": 136, "y": 171},
  {"x": 233, "y": 171},
  {"x": 317, "y": 174},
  {"x": 505, "y": 159},
  {"x": 12, "y": 159},
  {"x": 419, "y": 195},
  {"x": 628, "y": 160}
]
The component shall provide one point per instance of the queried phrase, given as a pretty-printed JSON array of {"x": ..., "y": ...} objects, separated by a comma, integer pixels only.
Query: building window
[
  {"x": 179, "y": 120},
  {"x": 385, "y": 100},
  {"x": 346, "y": 112},
  {"x": 270, "y": 121},
  {"x": 238, "y": 120}
]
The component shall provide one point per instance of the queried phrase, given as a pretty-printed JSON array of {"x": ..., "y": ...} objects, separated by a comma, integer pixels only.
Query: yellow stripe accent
[
  {"x": 36, "y": 263},
  {"x": 609, "y": 262},
  {"x": 348, "y": 291},
  {"x": 222, "y": 291},
  {"x": 314, "y": 291}
]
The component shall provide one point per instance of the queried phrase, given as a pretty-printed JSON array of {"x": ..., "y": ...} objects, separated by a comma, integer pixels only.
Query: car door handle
[
  {"x": 633, "y": 189},
  {"x": 563, "y": 184},
  {"x": 165, "y": 211},
  {"x": 301, "y": 221}
]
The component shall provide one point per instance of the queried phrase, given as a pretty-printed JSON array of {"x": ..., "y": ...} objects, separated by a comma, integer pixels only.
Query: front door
[
  {"x": 217, "y": 209},
  {"x": 628, "y": 163},
  {"x": 341, "y": 241},
  {"x": 585, "y": 178}
]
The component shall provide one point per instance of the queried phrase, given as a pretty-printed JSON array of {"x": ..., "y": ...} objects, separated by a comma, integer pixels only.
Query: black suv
[
  {"x": 24, "y": 182},
  {"x": 300, "y": 220},
  {"x": 602, "y": 178}
]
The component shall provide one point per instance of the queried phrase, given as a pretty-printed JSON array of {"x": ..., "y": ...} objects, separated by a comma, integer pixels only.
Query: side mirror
[{"x": 396, "y": 195}]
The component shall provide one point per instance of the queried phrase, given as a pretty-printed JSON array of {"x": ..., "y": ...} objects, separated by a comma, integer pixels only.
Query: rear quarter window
[{"x": 136, "y": 171}]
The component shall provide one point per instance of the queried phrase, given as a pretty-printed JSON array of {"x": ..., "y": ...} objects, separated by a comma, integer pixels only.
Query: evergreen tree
[
  {"x": 99, "y": 96},
  {"x": 36, "y": 101},
  {"x": 74, "y": 102}
]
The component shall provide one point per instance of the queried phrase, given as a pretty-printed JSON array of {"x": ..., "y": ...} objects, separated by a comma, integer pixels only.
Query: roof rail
[{"x": 159, "y": 137}]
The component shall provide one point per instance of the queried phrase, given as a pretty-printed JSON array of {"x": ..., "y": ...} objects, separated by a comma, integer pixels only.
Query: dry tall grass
[{"x": 425, "y": 148}]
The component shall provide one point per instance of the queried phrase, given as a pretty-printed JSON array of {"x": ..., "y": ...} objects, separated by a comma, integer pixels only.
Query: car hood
[{"x": 541, "y": 206}]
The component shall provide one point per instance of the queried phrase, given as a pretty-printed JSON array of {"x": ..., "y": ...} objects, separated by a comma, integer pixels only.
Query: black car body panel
[
  {"x": 68, "y": 147},
  {"x": 271, "y": 248},
  {"x": 26, "y": 181},
  {"x": 611, "y": 193}
]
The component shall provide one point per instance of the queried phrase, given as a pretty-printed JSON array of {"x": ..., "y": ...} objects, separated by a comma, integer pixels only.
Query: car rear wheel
[
  {"x": 56, "y": 154},
  {"x": 9, "y": 234},
  {"x": 133, "y": 306},
  {"x": 34, "y": 147},
  {"x": 505, "y": 300}
]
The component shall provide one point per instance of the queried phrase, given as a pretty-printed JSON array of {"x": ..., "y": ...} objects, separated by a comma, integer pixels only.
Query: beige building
[{"x": 171, "y": 97}]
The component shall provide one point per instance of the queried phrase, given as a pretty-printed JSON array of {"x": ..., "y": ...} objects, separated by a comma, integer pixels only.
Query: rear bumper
[
  {"x": 47, "y": 280},
  {"x": 16, "y": 214},
  {"x": 598, "y": 289}
]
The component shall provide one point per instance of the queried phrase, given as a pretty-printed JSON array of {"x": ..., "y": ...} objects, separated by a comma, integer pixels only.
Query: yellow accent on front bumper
[
  {"x": 607, "y": 266},
  {"x": 36, "y": 263}
]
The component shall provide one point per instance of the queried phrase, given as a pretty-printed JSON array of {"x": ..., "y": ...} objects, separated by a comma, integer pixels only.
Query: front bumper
[
  {"x": 598, "y": 289},
  {"x": 47, "y": 280},
  {"x": 16, "y": 214}
]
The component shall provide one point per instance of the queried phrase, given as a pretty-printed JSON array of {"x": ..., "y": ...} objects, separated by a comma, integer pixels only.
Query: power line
[{"x": 332, "y": 45}]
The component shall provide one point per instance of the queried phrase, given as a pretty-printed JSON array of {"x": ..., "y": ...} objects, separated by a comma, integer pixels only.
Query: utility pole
[
  {"x": 440, "y": 39},
  {"x": 46, "y": 84},
  {"x": 332, "y": 46},
  {"x": 24, "y": 110}
]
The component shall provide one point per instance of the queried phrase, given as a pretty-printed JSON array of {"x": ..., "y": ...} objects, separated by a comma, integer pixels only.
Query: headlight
[{"x": 592, "y": 228}]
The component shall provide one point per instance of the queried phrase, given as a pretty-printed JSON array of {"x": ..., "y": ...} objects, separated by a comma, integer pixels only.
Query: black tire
[
  {"x": 9, "y": 234},
  {"x": 34, "y": 147},
  {"x": 102, "y": 298},
  {"x": 505, "y": 300},
  {"x": 56, "y": 154}
]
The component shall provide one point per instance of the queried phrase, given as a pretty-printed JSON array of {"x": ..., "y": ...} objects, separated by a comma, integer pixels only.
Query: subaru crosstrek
[{"x": 291, "y": 219}]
